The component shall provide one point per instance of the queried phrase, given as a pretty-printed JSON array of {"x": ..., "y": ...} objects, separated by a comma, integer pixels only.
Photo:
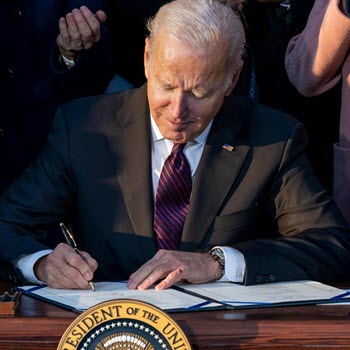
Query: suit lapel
[
  {"x": 130, "y": 146},
  {"x": 216, "y": 173}
]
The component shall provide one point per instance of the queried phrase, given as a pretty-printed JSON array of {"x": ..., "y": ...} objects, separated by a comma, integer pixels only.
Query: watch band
[{"x": 219, "y": 255}]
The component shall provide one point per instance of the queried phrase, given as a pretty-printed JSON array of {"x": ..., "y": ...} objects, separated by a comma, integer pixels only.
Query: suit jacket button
[
  {"x": 10, "y": 74},
  {"x": 258, "y": 278},
  {"x": 6, "y": 74},
  {"x": 15, "y": 15},
  {"x": 272, "y": 278}
]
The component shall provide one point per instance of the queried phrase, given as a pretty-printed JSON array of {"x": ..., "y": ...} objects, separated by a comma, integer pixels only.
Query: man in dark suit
[
  {"x": 255, "y": 201},
  {"x": 270, "y": 26}
]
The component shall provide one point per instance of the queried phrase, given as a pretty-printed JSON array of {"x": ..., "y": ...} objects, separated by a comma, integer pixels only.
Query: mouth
[{"x": 179, "y": 124}]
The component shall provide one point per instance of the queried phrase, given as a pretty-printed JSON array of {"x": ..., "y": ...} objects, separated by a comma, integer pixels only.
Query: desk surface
[{"x": 37, "y": 325}]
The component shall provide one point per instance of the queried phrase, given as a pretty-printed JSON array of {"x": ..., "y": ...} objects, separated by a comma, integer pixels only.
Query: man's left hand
[{"x": 173, "y": 266}]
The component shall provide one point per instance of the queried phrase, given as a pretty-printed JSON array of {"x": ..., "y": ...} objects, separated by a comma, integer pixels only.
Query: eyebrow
[{"x": 200, "y": 91}]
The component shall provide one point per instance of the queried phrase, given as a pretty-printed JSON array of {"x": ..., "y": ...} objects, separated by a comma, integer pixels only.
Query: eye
[
  {"x": 168, "y": 88},
  {"x": 200, "y": 95}
]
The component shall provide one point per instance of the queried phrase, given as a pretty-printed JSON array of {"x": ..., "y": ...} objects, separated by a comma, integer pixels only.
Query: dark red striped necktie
[{"x": 172, "y": 199}]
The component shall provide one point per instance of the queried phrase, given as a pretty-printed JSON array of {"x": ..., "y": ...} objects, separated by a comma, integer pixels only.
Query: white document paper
[
  {"x": 192, "y": 297},
  {"x": 81, "y": 300},
  {"x": 268, "y": 294}
]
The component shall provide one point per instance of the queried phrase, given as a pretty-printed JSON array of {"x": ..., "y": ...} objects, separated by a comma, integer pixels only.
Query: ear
[
  {"x": 146, "y": 56},
  {"x": 234, "y": 79}
]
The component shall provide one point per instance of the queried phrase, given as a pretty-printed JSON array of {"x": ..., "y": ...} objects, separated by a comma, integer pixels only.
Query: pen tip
[{"x": 92, "y": 286}]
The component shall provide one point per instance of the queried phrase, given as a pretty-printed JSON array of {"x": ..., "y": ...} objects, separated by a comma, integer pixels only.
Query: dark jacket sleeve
[{"x": 38, "y": 199}]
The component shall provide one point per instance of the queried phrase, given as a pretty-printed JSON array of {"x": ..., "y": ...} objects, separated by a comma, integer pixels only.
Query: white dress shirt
[
  {"x": 161, "y": 148},
  {"x": 69, "y": 63}
]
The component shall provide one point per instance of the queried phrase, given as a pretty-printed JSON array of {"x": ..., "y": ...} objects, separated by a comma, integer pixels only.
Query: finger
[
  {"x": 52, "y": 267},
  {"x": 64, "y": 36},
  {"x": 73, "y": 31},
  {"x": 157, "y": 274},
  {"x": 89, "y": 260},
  {"x": 138, "y": 276},
  {"x": 172, "y": 278},
  {"x": 72, "y": 265},
  {"x": 145, "y": 276},
  {"x": 101, "y": 16},
  {"x": 93, "y": 23},
  {"x": 157, "y": 267},
  {"x": 59, "y": 276},
  {"x": 76, "y": 261},
  {"x": 85, "y": 32},
  {"x": 149, "y": 274}
]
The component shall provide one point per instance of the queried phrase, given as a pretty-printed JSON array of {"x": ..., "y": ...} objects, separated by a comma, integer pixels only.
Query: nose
[{"x": 179, "y": 105}]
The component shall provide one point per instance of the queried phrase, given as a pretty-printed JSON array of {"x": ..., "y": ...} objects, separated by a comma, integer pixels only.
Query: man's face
[{"x": 185, "y": 88}]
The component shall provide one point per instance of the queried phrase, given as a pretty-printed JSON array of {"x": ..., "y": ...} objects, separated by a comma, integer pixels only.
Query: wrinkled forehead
[{"x": 190, "y": 70}]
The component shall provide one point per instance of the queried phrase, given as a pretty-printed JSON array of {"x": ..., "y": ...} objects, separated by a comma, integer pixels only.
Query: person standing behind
[
  {"x": 34, "y": 79},
  {"x": 316, "y": 60},
  {"x": 270, "y": 27}
]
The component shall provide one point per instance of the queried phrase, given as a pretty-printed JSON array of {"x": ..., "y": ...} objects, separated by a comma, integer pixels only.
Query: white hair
[{"x": 203, "y": 25}]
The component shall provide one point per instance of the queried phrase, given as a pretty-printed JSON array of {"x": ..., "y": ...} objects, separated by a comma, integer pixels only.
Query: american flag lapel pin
[{"x": 228, "y": 147}]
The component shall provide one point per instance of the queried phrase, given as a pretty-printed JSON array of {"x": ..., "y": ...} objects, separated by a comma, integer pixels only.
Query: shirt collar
[{"x": 157, "y": 135}]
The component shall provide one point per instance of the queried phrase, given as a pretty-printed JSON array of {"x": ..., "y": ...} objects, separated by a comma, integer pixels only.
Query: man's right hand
[
  {"x": 79, "y": 30},
  {"x": 65, "y": 269}
]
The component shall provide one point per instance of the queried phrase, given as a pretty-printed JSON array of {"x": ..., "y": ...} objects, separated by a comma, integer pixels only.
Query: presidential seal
[{"x": 124, "y": 324}]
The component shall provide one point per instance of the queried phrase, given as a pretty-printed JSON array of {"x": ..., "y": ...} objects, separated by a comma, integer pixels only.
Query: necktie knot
[{"x": 178, "y": 147}]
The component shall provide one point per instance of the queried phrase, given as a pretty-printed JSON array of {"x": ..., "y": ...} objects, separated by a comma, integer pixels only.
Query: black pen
[{"x": 71, "y": 241}]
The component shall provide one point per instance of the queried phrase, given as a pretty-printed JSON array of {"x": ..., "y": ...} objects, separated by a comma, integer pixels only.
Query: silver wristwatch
[{"x": 219, "y": 255}]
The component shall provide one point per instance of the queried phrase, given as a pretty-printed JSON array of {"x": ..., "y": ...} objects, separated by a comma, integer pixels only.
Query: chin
[{"x": 178, "y": 137}]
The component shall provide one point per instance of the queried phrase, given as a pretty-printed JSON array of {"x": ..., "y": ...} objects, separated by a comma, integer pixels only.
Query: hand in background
[
  {"x": 64, "y": 268},
  {"x": 79, "y": 30},
  {"x": 172, "y": 267}
]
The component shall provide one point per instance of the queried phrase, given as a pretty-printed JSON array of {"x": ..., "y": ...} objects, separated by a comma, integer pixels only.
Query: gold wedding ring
[{"x": 78, "y": 43}]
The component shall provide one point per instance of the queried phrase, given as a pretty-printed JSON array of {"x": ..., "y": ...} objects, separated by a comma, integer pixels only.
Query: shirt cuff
[
  {"x": 26, "y": 265},
  {"x": 69, "y": 63},
  {"x": 234, "y": 265}
]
